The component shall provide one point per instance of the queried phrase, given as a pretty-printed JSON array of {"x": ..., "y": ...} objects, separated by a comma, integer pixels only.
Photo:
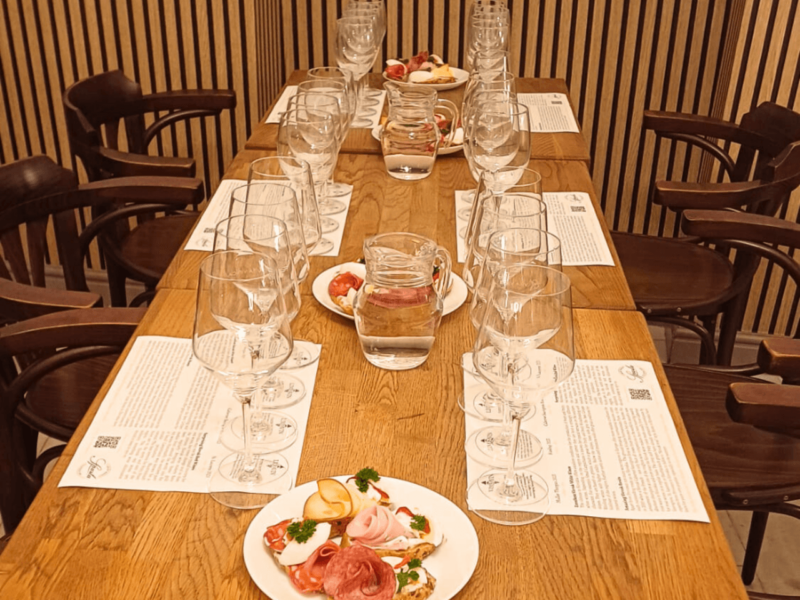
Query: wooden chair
[
  {"x": 95, "y": 108},
  {"x": 679, "y": 282},
  {"x": 746, "y": 468}
]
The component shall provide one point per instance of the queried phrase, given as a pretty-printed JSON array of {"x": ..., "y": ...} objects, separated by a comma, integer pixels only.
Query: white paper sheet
[
  {"x": 159, "y": 426},
  {"x": 610, "y": 446},
  {"x": 202, "y": 238},
  {"x": 570, "y": 217},
  {"x": 550, "y": 113},
  {"x": 367, "y": 118}
]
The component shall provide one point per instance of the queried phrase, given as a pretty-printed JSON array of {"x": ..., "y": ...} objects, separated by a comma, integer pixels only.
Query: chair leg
[
  {"x": 116, "y": 285},
  {"x": 758, "y": 526},
  {"x": 710, "y": 325}
]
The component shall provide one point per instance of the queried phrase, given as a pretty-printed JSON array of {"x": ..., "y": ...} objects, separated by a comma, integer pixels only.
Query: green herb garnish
[
  {"x": 419, "y": 522},
  {"x": 301, "y": 532},
  {"x": 414, "y": 563},
  {"x": 405, "y": 577},
  {"x": 363, "y": 478}
]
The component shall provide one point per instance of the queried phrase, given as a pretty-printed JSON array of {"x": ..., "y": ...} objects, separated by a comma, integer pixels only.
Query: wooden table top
[
  {"x": 381, "y": 203},
  {"x": 101, "y": 544},
  {"x": 549, "y": 146}
]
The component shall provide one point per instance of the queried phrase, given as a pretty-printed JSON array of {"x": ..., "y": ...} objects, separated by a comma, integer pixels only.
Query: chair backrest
[
  {"x": 777, "y": 123},
  {"x": 25, "y": 251}
]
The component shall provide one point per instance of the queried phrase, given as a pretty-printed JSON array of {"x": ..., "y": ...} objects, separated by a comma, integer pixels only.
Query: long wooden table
[
  {"x": 547, "y": 146},
  {"x": 93, "y": 543},
  {"x": 427, "y": 207}
]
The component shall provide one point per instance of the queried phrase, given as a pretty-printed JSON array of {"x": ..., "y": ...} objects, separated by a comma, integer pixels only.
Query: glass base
[
  {"x": 281, "y": 391},
  {"x": 271, "y": 432},
  {"x": 483, "y": 447},
  {"x": 227, "y": 487},
  {"x": 462, "y": 232},
  {"x": 530, "y": 506},
  {"x": 301, "y": 356},
  {"x": 323, "y": 246},
  {"x": 468, "y": 197},
  {"x": 335, "y": 189},
  {"x": 484, "y": 405},
  {"x": 328, "y": 225},
  {"x": 464, "y": 213},
  {"x": 331, "y": 207}
]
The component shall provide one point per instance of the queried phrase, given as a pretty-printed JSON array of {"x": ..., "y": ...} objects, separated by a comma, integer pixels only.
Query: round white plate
[
  {"x": 452, "y": 564},
  {"x": 376, "y": 133},
  {"x": 460, "y": 74},
  {"x": 453, "y": 300}
]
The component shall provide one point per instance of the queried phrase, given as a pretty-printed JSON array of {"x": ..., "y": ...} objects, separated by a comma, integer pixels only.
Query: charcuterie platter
[
  {"x": 341, "y": 302},
  {"x": 412, "y": 541}
]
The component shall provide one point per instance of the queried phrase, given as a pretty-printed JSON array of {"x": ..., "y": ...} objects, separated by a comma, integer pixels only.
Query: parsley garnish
[
  {"x": 418, "y": 522},
  {"x": 414, "y": 563},
  {"x": 364, "y": 476},
  {"x": 301, "y": 532},
  {"x": 403, "y": 578}
]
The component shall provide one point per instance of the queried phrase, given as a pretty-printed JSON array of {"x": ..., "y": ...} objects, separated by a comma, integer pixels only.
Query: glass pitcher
[
  {"x": 411, "y": 137},
  {"x": 399, "y": 305}
]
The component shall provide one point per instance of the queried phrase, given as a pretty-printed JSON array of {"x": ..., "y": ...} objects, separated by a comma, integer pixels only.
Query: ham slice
[
  {"x": 374, "y": 526},
  {"x": 310, "y": 576},
  {"x": 357, "y": 573}
]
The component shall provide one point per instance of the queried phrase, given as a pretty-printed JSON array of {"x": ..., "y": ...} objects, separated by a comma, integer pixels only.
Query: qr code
[
  {"x": 640, "y": 394},
  {"x": 105, "y": 441},
  {"x": 578, "y": 208}
]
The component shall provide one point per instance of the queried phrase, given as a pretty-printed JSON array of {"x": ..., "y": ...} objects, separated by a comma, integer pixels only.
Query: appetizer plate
[
  {"x": 453, "y": 300},
  {"x": 452, "y": 564},
  {"x": 460, "y": 74},
  {"x": 376, "y": 133}
]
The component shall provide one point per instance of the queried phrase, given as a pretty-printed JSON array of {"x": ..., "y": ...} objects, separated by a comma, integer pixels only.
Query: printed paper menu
[
  {"x": 610, "y": 448},
  {"x": 160, "y": 425},
  {"x": 550, "y": 113}
]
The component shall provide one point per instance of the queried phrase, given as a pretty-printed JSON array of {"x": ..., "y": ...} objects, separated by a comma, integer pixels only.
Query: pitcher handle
[
  {"x": 445, "y": 268},
  {"x": 450, "y": 107}
]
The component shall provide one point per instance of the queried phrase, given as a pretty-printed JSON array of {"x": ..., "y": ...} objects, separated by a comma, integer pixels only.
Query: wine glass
[
  {"x": 500, "y": 137},
  {"x": 267, "y": 236},
  {"x": 311, "y": 136},
  {"x": 242, "y": 335},
  {"x": 478, "y": 102},
  {"x": 377, "y": 11},
  {"x": 295, "y": 173},
  {"x": 494, "y": 212},
  {"x": 357, "y": 46},
  {"x": 278, "y": 201},
  {"x": 512, "y": 250},
  {"x": 524, "y": 349}
]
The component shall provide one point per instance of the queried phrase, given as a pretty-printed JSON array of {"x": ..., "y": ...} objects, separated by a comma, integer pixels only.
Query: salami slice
[
  {"x": 310, "y": 576},
  {"x": 341, "y": 284},
  {"x": 357, "y": 573},
  {"x": 274, "y": 535}
]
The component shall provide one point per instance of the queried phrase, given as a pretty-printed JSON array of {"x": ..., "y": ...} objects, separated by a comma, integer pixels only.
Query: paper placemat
[
  {"x": 610, "y": 446},
  {"x": 335, "y": 236},
  {"x": 159, "y": 426},
  {"x": 570, "y": 217},
  {"x": 550, "y": 113},
  {"x": 366, "y": 118}
]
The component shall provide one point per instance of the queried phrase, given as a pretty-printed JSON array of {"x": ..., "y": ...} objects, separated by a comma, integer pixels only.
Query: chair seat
[
  {"x": 154, "y": 243},
  {"x": 64, "y": 396},
  {"x": 731, "y": 455},
  {"x": 666, "y": 275}
]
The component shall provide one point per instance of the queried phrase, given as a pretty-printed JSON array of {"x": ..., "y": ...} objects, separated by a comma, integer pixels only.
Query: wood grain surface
[
  {"x": 100, "y": 544},
  {"x": 381, "y": 203},
  {"x": 558, "y": 146}
]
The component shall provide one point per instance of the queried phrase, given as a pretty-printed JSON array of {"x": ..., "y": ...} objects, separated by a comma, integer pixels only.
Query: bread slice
[
  {"x": 345, "y": 307},
  {"x": 420, "y": 593},
  {"x": 419, "y": 551}
]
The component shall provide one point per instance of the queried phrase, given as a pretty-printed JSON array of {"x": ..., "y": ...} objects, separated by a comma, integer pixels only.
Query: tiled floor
[{"x": 777, "y": 572}]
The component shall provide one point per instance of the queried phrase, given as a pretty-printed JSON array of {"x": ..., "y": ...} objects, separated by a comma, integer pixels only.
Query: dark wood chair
[
  {"x": 96, "y": 110},
  {"x": 62, "y": 359},
  {"x": 679, "y": 282},
  {"x": 746, "y": 468}
]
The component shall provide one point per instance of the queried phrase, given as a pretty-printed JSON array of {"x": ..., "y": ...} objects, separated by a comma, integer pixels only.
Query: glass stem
[
  {"x": 508, "y": 425},
  {"x": 510, "y": 484},
  {"x": 249, "y": 473}
]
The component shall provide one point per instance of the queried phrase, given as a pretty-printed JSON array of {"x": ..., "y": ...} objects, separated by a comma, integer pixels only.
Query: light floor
[{"x": 778, "y": 571}]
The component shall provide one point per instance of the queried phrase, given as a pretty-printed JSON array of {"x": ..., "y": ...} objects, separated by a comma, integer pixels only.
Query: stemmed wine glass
[
  {"x": 357, "y": 46},
  {"x": 501, "y": 137},
  {"x": 512, "y": 250},
  {"x": 271, "y": 430},
  {"x": 242, "y": 335},
  {"x": 524, "y": 350}
]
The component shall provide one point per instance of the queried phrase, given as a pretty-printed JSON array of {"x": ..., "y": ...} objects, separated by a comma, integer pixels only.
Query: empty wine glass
[
  {"x": 500, "y": 137},
  {"x": 295, "y": 173},
  {"x": 477, "y": 104},
  {"x": 268, "y": 236},
  {"x": 524, "y": 349},
  {"x": 242, "y": 335},
  {"x": 357, "y": 45}
]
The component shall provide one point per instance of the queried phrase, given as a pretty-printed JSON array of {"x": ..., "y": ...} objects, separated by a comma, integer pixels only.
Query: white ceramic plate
[
  {"x": 452, "y": 564},
  {"x": 453, "y": 300},
  {"x": 460, "y": 74},
  {"x": 376, "y": 133}
]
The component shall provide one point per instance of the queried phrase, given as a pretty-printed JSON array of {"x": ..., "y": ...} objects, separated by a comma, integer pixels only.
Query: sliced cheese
[
  {"x": 420, "y": 76},
  {"x": 296, "y": 553}
]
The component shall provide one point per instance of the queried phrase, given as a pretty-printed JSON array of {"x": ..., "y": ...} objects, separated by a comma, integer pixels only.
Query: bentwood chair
[
  {"x": 745, "y": 431},
  {"x": 96, "y": 110},
  {"x": 677, "y": 281}
]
